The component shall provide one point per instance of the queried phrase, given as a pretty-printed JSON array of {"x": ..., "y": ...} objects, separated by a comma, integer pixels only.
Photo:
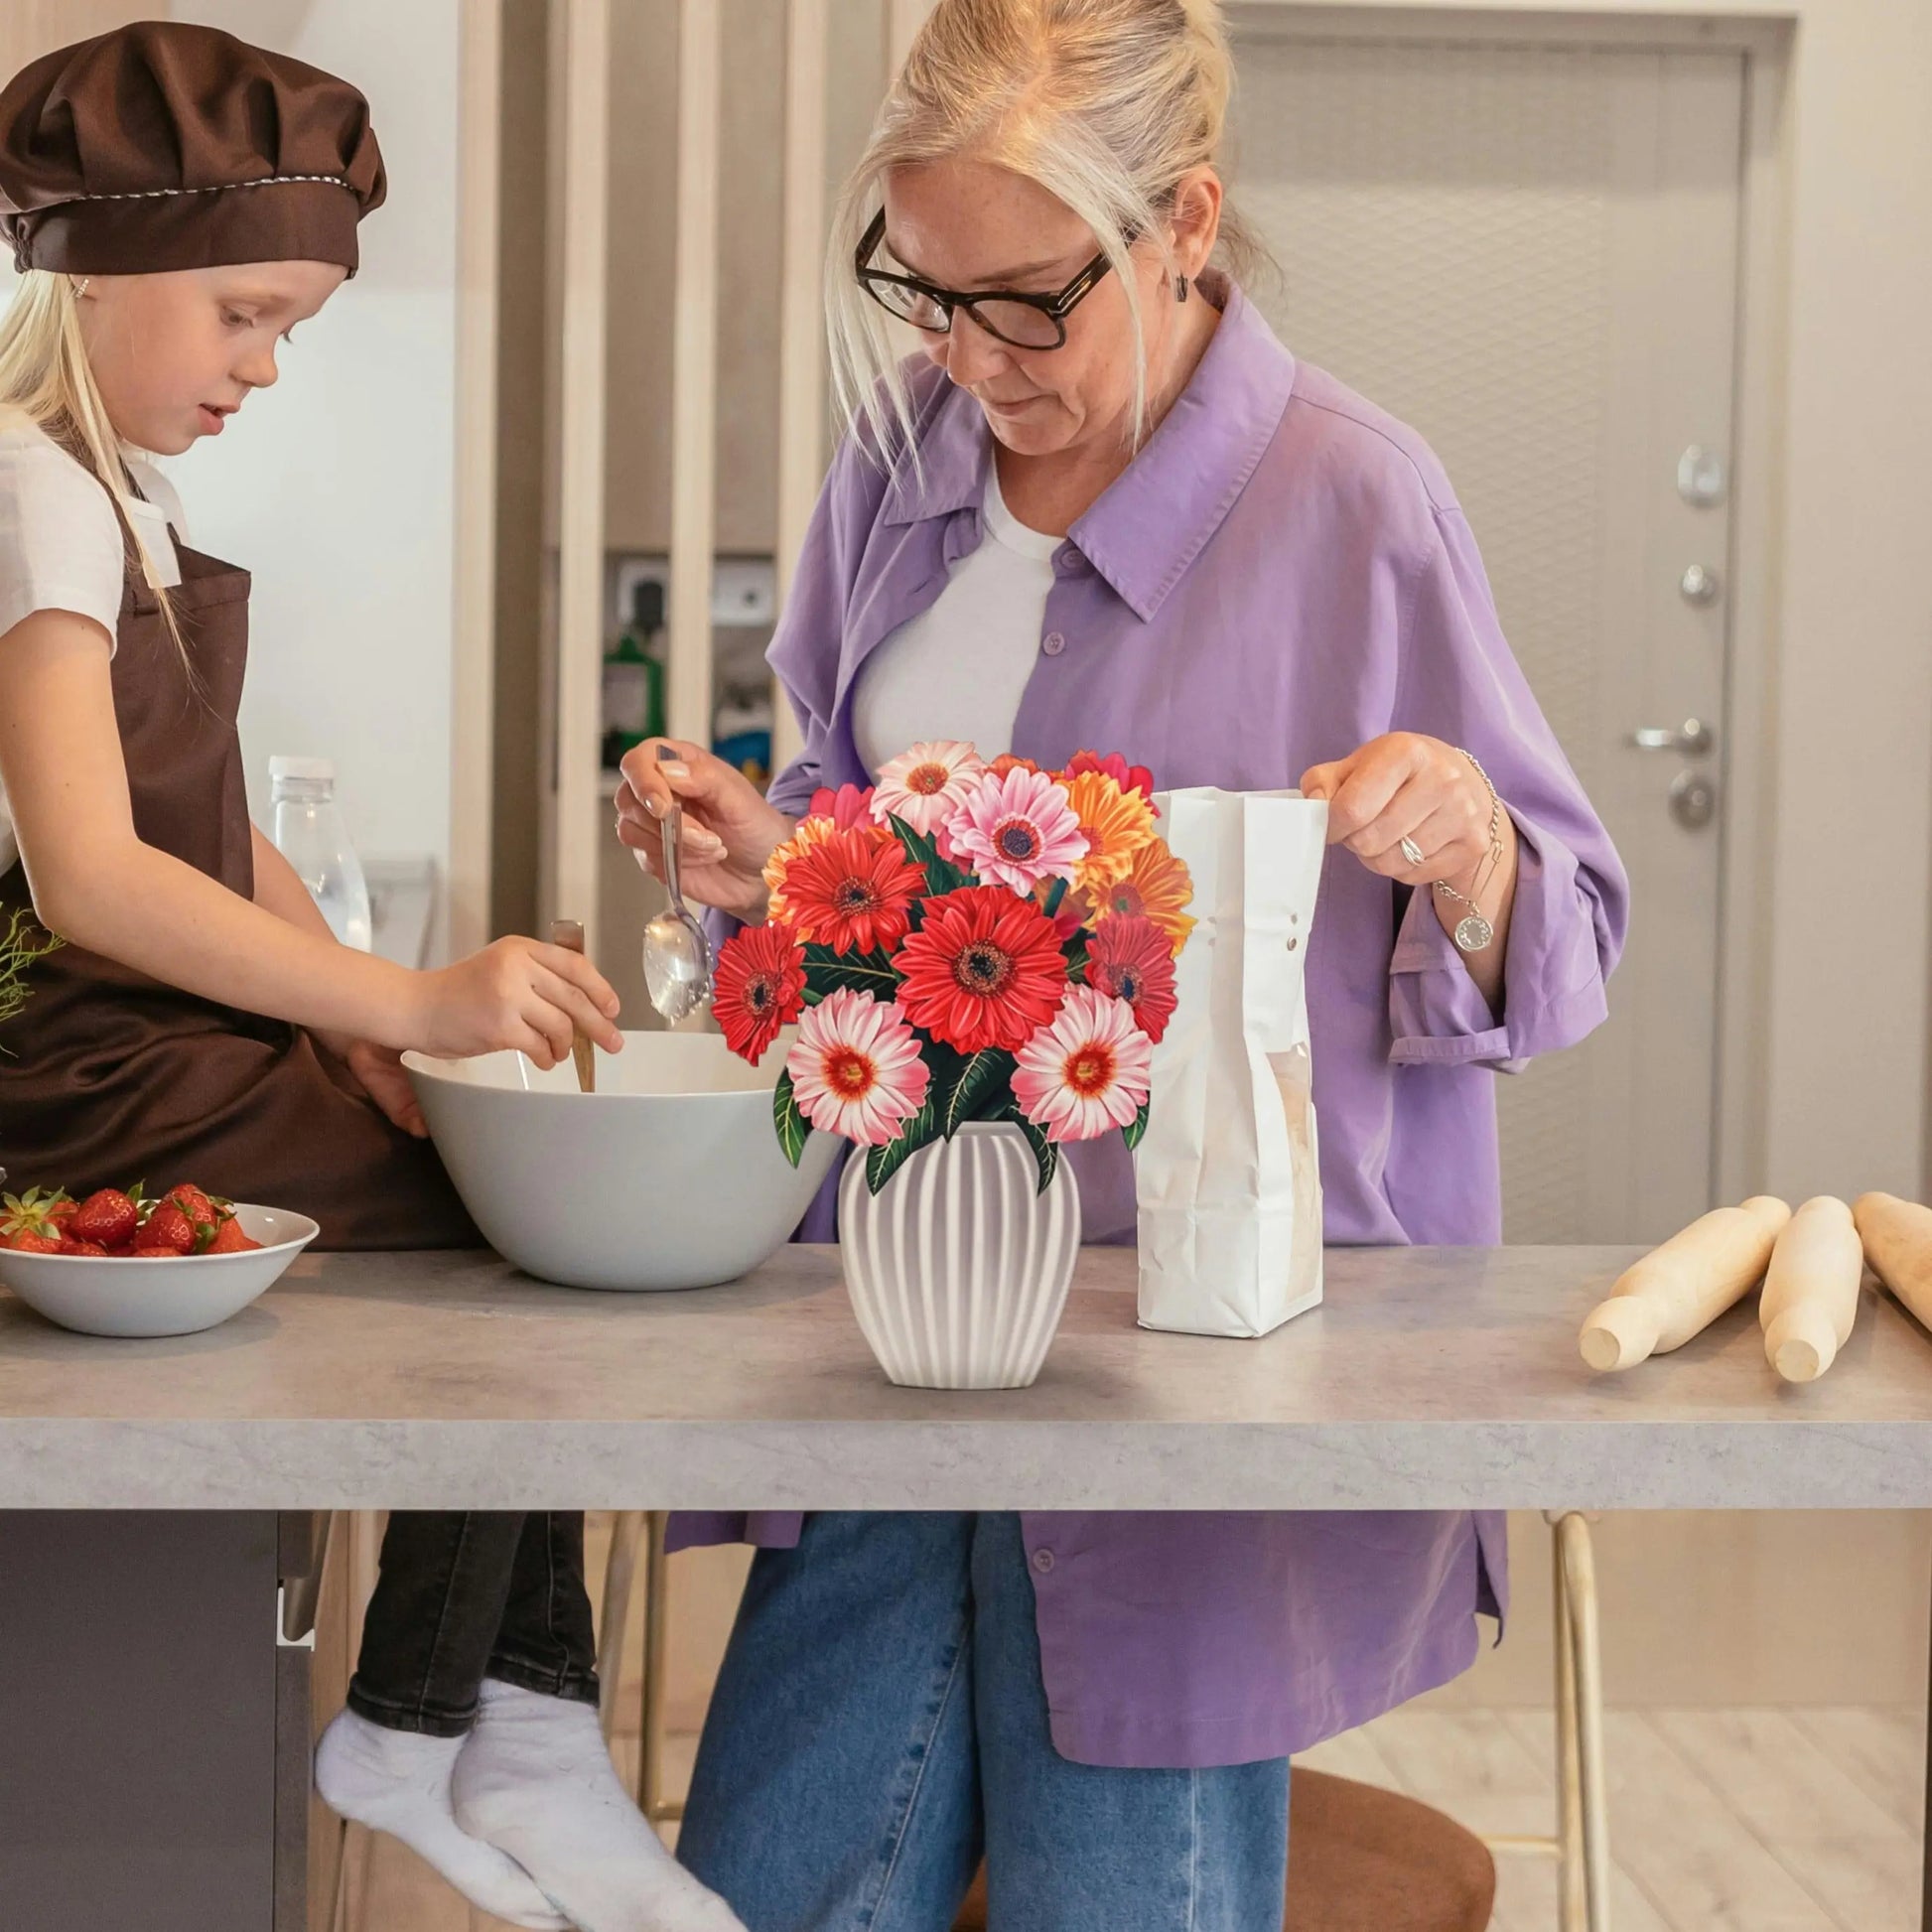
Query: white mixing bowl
[
  {"x": 668, "y": 1175},
  {"x": 182, "y": 1297}
]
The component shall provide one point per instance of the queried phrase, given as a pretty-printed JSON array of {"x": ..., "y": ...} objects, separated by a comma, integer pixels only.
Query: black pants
[{"x": 464, "y": 1595}]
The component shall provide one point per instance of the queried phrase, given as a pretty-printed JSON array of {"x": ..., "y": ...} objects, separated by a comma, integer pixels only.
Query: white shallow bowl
[
  {"x": 669, "y": 1176},
  {"x": 159, "y": 1297}
]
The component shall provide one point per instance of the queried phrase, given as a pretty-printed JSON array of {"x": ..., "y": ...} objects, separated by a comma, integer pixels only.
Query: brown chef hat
[{"x": 164, "y": 145}]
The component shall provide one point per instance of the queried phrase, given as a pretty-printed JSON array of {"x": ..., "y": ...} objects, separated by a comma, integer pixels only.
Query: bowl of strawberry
[{"x": 132, "y": 1264}]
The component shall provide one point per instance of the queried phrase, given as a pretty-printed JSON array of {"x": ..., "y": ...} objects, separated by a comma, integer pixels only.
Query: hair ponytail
[{"x": 45, "y": 375}]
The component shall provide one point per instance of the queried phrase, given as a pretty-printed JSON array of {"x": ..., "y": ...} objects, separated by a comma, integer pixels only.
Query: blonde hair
[
  {"x": 45, "y": 375},
  {"x": 1105, "y": 103}
]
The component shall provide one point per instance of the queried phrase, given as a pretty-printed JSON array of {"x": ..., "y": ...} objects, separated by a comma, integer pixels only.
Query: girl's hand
[
  {"x": 729, "y": 831},
  {"x": 1405, "y": 785},
  {"x": 379, "y": 1072},
  {"x": 517, "y": 994}
]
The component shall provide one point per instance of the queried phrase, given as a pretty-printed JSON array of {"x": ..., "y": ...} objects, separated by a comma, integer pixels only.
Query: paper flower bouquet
[{"x": 965, "y": 941}]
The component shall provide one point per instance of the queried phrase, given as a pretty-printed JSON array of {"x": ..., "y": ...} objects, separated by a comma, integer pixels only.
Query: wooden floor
[{"x": 1722, "y": 1821}]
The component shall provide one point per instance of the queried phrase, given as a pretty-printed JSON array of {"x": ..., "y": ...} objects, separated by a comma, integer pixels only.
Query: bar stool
[
  {"x": 1579, "y": 1843},
  {"x": 1364, "y": 1859}
]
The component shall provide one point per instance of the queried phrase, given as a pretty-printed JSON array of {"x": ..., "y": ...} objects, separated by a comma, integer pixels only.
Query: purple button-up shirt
[{"x": 1281, "y": 575}]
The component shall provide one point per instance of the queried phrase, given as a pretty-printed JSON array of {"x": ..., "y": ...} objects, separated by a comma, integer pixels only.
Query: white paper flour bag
[{"x": 1227, "y": 1179}]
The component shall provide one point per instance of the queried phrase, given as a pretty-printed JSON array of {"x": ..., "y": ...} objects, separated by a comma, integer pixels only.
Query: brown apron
[{"x": 110, "y": 1077}]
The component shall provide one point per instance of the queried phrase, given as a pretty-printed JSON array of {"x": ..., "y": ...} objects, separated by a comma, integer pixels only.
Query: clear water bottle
[{"x": 310, "y": 834}]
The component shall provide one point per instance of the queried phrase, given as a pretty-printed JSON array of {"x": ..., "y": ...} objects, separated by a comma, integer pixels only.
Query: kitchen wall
[{"x": 336, "y": 488}]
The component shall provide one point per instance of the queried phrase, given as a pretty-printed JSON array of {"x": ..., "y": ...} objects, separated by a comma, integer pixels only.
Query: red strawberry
[
  {"x": 142, "y": 1252},
  {"x": 62, "y": 1211},
  {"x": 28, "y": 1242},
  {"x": 170, "y": 1229},
  {"x": 108, "y": 1217},
  {"x": 230, "y": 1240},
  {"x": 72, "y": 1247},
  {"x": 32, "y": 1212}
]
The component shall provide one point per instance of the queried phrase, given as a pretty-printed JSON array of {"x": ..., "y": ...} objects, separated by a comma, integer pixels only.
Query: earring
[
  {"x": 1180, "y": 288},
  {"x": 80, "y": 284}
]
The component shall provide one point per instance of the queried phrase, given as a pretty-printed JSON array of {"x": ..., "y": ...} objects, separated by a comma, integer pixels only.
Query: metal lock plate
[{"x": 1693, "y": 800}]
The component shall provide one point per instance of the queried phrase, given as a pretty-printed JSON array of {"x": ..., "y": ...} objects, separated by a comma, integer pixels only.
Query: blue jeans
[{"x": 880, "y": 1723}]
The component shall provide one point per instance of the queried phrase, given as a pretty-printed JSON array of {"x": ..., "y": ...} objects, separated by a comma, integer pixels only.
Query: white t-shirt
[
  {"x": 60, "y": 545},
  {"x": 960, "y": 667}
]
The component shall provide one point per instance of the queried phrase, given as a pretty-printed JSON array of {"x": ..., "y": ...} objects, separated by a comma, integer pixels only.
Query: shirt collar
[{"x": 1158, "y": 515}]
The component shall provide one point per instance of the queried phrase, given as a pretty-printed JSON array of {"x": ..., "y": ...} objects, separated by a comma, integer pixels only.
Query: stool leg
[
  {"x": 619, "y": 1579},
  {"x": 650, "y": 1754},
  {"x": 1573, "y": 1903},
  {"x": 1578, "y": 1569}
]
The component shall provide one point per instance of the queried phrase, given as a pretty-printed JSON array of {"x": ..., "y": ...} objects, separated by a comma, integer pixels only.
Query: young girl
[{"x": 177, "y": 203}]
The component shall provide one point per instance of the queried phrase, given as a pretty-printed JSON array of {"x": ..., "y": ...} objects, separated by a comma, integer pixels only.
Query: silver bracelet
[{"x": 1474, "y": 930}]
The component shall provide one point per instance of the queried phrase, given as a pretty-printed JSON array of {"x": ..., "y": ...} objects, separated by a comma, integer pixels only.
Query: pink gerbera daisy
[
  {"x": 1086, "y": 1070},
  {"x": 1017, "y": 829},
  {"x": 856, "y": 1070},
  {"x": 925, "y": 786}
]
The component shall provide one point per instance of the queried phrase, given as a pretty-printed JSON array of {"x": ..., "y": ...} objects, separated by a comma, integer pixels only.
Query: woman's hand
[
  {"x": 1404, "y": 785},
  {"x": 517, "y": 994},
  {"x": 729, "y": 831}
]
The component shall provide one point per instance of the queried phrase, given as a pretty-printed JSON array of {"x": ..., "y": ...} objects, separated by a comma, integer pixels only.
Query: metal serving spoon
[{"x": 677, "y": 956}]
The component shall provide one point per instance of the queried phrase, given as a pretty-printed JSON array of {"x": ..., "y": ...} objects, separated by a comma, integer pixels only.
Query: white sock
[
  {"x": 398, "y": 1782},
  {"x": 536, "y": 1780}
]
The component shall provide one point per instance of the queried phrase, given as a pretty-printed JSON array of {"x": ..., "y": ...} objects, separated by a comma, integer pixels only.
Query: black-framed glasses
[{"x": 1013, "y": 316}]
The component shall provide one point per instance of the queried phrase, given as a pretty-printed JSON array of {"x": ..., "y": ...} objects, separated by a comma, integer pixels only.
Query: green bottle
[{"x": 634, "y": 678}]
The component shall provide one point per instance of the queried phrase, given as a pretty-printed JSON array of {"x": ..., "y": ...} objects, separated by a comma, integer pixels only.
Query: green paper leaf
[
  {"x": 1046, "y": 1153},
  {"x": 941, "y": 874},
  {"x": 1075, "y": 954},
  {"x": 1136, "y": 1129},
  {"x": 980, "y": 1080},
  {"x": 1056, "y": 898},
  {"x": 884, "y": 1162},
  {"x": 862, "y": 972},
  {"x": 794, "y": 1128}
]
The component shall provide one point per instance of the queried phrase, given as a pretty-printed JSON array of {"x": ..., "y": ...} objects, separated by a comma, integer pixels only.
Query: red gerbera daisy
[
  {"x": 984, "y": 970},
  {"x": 1131, "y": 958},
  {"x": 758, "y": 986},
  {"x": 845, "y": 807},
  {"x": 853, "y": 892},
  {"x": 1129, "y": 778}
]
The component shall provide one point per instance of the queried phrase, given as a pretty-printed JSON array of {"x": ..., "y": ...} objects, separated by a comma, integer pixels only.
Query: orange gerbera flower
[
  {"x": 1156, "y": 886},
  {"x": 1117, "y": 824}
]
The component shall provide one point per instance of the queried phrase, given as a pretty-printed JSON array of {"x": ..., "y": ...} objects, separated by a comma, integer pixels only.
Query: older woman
[{"x": 1111, "y": 510}]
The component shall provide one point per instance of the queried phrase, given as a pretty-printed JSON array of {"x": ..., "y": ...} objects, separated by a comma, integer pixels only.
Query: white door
[{"x": 1530, "y": 252}]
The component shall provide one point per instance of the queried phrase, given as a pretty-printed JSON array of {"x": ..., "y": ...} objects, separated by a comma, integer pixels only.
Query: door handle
[{"x": 1690, "y": 740}]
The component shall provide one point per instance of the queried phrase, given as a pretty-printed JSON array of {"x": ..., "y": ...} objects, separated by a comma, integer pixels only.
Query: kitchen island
[{"x": 1429, "y": 1379}]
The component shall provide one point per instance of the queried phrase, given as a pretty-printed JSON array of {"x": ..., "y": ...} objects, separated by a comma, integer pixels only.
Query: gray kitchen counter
[{"x": 1429, "y": 1378}]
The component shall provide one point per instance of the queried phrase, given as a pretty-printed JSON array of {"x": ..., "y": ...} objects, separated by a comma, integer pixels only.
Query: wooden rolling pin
[
  {"x": 569, "y": 933},
  {"x": 1897, "y": 1237},
  {"x": 1678, "y": 1290},
  {"x": 1811, "y": 1291}
]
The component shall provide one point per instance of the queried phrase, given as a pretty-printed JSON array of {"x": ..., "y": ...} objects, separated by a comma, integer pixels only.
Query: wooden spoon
[{"x": 569, "y": 934}]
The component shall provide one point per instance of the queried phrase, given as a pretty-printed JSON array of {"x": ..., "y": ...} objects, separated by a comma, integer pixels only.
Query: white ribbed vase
[{"x": 958, "y": 1267}]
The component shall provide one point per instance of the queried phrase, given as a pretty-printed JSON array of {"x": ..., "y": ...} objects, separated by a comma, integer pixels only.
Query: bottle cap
[{"x": 287, "y": 767}]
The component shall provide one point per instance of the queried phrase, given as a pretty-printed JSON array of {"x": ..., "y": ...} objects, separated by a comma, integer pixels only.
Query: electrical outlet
[{"x": 743, "y": 589}]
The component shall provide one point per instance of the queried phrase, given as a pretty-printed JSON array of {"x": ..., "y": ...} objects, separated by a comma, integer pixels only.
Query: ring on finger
[{"x": 1414, "y": 853}]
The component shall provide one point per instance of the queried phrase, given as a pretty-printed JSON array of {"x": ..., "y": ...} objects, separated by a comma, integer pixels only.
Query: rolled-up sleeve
[{"x": 1459, "y": 681}]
